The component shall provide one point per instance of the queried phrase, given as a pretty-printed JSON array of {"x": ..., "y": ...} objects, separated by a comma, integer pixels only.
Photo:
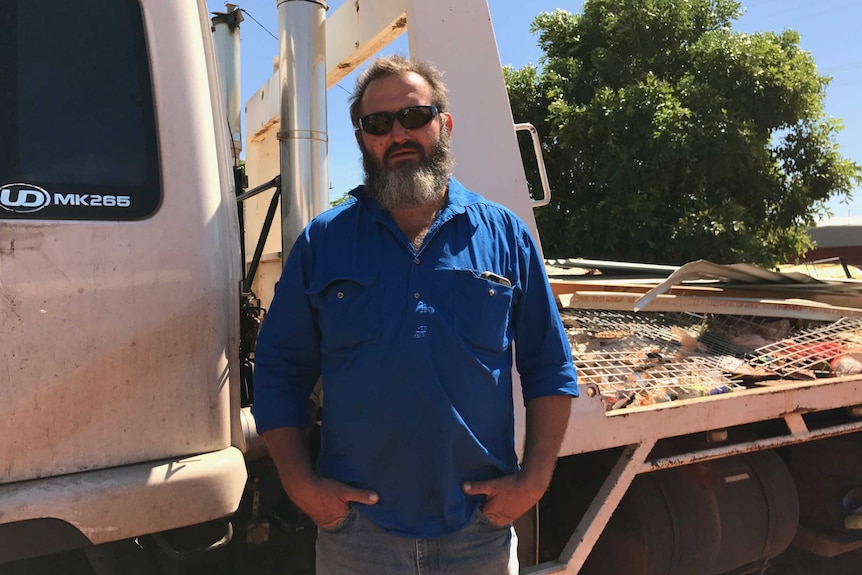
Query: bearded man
[{"x": 406, "y": 301}]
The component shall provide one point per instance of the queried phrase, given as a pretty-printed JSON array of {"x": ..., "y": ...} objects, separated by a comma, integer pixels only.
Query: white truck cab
[{"x": 119, "y": 274}]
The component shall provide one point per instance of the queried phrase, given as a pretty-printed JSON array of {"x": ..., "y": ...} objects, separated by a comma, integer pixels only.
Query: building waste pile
[
  {"x": 645, "y": 358},
  {"x": 707, "y": 339}
]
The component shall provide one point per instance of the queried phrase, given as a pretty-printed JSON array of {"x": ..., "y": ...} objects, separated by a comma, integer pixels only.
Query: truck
[{"x": 138, "y": 254}]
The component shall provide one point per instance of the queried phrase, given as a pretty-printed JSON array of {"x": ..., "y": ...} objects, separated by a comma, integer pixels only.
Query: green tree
[{"x": 669, "y": 137}]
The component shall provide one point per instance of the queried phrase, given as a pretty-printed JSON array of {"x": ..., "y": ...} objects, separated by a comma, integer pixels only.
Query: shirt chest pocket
[
  {"x": 482, "y": 308},
  {"x": 348, "y": 310}
]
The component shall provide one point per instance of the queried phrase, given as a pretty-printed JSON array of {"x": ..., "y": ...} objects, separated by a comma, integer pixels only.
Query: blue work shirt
[{"x": 415, "y": 353}]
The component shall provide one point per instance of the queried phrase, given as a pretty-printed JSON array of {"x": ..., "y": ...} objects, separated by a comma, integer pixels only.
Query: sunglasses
[{"x": 411, "y": 117}]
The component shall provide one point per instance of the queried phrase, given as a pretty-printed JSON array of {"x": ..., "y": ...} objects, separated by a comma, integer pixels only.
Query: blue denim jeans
[{"x": 359, "y": 547}]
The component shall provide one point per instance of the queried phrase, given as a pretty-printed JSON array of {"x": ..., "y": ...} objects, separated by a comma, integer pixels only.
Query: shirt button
[
  {"x": 416, "y": 295},
  {"x": 416, "y": 261},
  {"x": 491, "y": 292},
  {"x": 339, "y": 295}
]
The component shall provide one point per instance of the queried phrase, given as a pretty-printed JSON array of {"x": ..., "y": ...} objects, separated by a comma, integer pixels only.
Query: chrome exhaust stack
[
  {"x": 302, "y": 130},
  {"x": 225, "y": 28}
]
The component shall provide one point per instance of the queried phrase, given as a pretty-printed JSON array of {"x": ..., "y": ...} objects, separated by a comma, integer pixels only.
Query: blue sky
[{"x": 829, "y": 30}]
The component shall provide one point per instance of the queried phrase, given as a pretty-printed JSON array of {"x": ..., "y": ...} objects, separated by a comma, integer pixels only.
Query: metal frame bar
[
  {"x": 841, "y": 261},
  {"x": 602, "y": 507},
  {"x": 540, "y": 163},
  {"x": 633, "y": 462},
  {"x": 248, "y": 280},
  {"x": 273, "y": 183},
  {"x": 750, "y": 447},
  {"x": 638, "y": 430}
]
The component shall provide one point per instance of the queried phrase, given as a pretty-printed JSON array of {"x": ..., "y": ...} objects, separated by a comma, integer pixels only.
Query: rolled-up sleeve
[
  {"x": 542, "y": 352},
  {"x": 287, "y": 356}
]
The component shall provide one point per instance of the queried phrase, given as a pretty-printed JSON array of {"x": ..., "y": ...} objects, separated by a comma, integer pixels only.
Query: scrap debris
[{"x": 646, "y": 358}]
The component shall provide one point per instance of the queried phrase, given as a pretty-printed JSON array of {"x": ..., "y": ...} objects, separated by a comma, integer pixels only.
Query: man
[{"x": 406, "y": 302}]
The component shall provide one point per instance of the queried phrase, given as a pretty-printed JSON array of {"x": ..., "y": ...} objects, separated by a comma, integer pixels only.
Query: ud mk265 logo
[
  {"x": 27, "y": 198},
  {"x": 23, "y": 198}
]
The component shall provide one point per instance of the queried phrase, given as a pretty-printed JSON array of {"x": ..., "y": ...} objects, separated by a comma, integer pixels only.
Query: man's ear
[
  {"x": 357, "y": 133},
  {"x": 447, "y": 120}
]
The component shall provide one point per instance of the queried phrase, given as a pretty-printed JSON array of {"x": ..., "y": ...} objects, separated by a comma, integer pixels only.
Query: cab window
[{"x": 77, "y": 125}]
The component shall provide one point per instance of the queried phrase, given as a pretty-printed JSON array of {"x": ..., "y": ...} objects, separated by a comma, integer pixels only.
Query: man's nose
[{"x": 399, "y": 133}]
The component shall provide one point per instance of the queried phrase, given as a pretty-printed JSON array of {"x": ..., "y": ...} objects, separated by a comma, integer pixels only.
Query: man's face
[{"x": 405, "y": 168}]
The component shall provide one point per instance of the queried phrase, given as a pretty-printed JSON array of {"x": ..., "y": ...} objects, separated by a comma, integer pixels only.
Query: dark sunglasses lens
[
  {"x": 416, "y": 117},
  {"x": 412, "y": 117},
  {"x": 378, "y": 124}
]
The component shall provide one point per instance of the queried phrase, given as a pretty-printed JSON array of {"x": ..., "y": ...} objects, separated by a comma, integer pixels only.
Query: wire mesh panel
[
  {"x": 828, "y": 349},
  {"x": 644, "y": 358}
]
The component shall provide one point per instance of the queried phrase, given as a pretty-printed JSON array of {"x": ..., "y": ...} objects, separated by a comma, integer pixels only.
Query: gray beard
[{"x": 413, "y": 185}]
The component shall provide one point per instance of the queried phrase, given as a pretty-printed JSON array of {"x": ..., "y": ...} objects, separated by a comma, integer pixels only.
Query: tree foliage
[{"x": 669, "y": 137}]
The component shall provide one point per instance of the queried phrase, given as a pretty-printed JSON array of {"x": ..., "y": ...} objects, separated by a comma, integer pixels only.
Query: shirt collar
[{"x": 457, "y": 200}]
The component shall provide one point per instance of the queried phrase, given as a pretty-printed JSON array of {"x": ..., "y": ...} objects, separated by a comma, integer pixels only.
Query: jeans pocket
[
  {"x": 351, "y": 515},
  {"x": 482, "y": 519}
]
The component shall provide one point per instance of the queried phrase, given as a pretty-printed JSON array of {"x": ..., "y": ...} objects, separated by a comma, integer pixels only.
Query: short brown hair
[{"x": 396, "y": 66}]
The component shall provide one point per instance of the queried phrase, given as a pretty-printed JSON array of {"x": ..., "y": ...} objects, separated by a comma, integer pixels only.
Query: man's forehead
[{"x": 395, "y": 86}]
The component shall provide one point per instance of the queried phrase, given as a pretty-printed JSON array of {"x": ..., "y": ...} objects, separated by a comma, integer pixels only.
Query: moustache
[{"x": 395, "y": 147}]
